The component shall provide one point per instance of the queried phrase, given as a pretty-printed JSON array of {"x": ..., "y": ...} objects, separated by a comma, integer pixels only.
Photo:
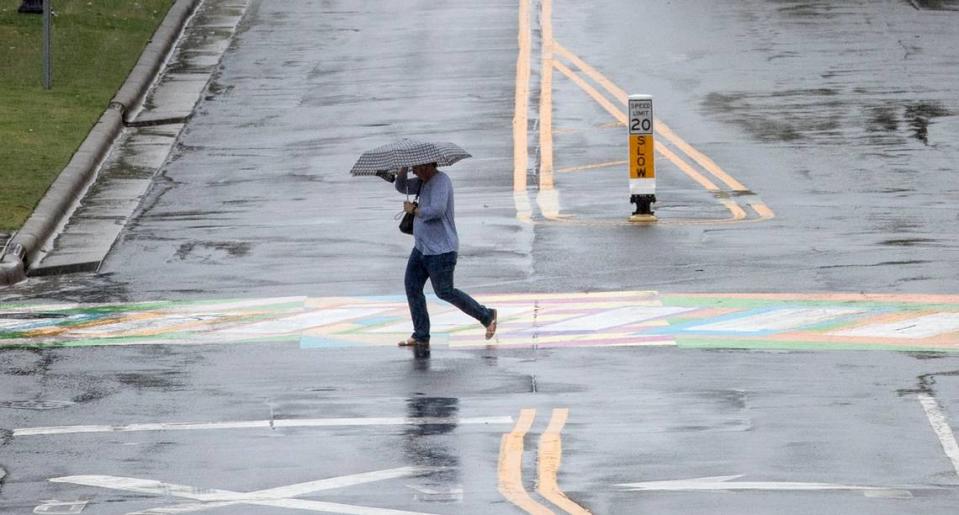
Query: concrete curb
[
  {"x": 56, "y": 204},
  {"x": 153, "y": 56}
]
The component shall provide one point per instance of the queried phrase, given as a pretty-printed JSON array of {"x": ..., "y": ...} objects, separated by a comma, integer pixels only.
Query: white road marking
[
  {"x": 303, "y": 321},
  {"x": 339, "y": 482},
  {"x": 937, "y": 419},
  {"x": 725, "y": 483},
  {"x": 777, "y": 320},
  {"x": 448, "y": 321},
  {"x": 611, "y": 318},
  {"x": 920, "y": 327},
  {"x": 232, "y": 305},
  {"x": 126, "y": 327},
  {"x": 280, "y": 497},
  {"x": 260, "y": 424},
  {"x": 60, "y": 507}
]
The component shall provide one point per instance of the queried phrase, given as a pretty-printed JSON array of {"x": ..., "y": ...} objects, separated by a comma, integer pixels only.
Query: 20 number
[{"x": 636, "y": 124}]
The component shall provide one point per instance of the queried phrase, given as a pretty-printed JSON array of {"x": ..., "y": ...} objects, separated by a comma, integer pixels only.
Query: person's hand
[{"x": 409, "y": 207}]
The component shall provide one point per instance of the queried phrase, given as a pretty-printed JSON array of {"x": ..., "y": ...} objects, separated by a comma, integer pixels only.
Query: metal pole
[{"x": 47, "y": 45}]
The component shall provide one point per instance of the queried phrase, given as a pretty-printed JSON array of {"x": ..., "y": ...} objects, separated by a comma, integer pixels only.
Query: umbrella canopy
[{"x": 407, "y": 153}]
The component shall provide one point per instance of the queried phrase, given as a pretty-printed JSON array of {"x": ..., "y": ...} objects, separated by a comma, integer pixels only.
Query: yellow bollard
[{"x": 642, "y": 168}]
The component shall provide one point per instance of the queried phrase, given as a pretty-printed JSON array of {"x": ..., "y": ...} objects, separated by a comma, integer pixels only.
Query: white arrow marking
[
  {"x": 724, "y": 483},
  {"x": 280, "y": 497}
]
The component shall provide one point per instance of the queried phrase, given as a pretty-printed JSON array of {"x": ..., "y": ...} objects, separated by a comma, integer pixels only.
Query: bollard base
[
  {"x": 643, "y": 218},
  {"x": 644, "y": 208},
  {"x": 31, "y": 7}
]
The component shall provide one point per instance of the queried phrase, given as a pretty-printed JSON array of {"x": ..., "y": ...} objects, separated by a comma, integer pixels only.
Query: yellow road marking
[
  {"x": 621, "y": 116},
  {"x": 738, "y": 212},
  {"x": 658, "y": 125},
  {"x": 550, "y": 456},
  {"x": 520, "y": 120},
  {"x": 591, "y": 91},
  {"x": 762, "y": 210},
  {"x": 698, "y": 156},
  {"x": 592, "y": 72},
  {"x": 593, "y": 166},
  {"x": 510, "y": 468},
  {"x": 686, "y": 168},
  {"x": 546, "y": 99},
  {"x": 548, "y": 198}
]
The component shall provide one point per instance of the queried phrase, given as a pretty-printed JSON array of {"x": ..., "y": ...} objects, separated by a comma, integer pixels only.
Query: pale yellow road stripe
[
  {"x": 698, "y": 156},
  {"x": 658, "y": 126},
  {"x": 592, "y": 72},
  {"x": 550, "y": 456},
  {"x": 686, "y": 167},
  {"x": 738, "y": 212},
  {"x": 520, "y": 117},
  {"x": 621, "y": 116},
  {"x": 510, "y": 469},
  {"x": 548, "y": 198},
  {"x": 546, "y": 99},
  {"x": 594, "y": 166},
  {"x": 591, "y": 91},
  {"x": 661, "y": 148},
  {"x": 762, "y": 210}
]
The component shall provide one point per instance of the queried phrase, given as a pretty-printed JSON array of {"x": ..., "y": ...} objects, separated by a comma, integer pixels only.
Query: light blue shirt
[{"x": 434, "y": 231}]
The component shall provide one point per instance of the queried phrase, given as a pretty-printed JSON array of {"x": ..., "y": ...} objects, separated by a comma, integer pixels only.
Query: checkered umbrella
[{"x": 408, "y": 153}]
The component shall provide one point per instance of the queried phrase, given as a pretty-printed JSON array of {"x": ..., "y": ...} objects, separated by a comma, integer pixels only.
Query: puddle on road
[
  {"x": 161, "y": 380},
  {"x": 934, "y": 5},
  {"x": 918, "y": 116},
  {"x": 909, "y": 242},
  {"x": 781, "y": 116},
  {"x": 824, "y": 115},
  {"x": 207, "y": 251}
]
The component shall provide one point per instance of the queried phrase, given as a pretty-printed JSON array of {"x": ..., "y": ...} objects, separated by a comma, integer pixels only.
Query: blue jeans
[{"x": 439, "y": 270}]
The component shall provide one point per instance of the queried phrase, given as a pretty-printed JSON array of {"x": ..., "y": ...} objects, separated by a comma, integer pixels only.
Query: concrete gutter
[{"x": 58, "y": 201}]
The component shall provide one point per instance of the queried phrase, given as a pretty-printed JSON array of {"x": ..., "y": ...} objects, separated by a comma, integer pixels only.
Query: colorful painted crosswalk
[{"x": 596, "y": 319}]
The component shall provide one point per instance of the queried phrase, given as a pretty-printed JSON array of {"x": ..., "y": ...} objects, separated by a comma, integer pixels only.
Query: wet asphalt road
[
  {"x": 843, "y": 119},
  {"x": 840, "y": 118}
]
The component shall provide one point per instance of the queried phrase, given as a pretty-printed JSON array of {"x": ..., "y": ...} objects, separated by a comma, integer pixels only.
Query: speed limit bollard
[{"x": 642, "y": 168}]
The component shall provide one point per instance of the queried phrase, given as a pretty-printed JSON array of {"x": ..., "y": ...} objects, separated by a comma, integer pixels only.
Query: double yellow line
[
  {"x": 547, "y": 197},
  {"x": 510, "y": 468}
]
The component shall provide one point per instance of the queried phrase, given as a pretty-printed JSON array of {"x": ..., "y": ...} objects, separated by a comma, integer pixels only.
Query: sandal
[
  {"x": 491, "y": 328},
  {"x": 410, "y": 342}
]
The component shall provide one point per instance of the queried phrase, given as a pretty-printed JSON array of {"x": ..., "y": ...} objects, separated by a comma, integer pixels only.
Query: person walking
[{"x": 434, "y": 253}]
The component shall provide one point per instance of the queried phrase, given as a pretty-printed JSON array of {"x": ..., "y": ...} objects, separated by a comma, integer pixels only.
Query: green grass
[{"x": 95, "y": 45}]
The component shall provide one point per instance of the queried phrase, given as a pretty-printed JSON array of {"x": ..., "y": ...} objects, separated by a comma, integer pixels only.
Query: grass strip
[{"x": 95, "y": 45}]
